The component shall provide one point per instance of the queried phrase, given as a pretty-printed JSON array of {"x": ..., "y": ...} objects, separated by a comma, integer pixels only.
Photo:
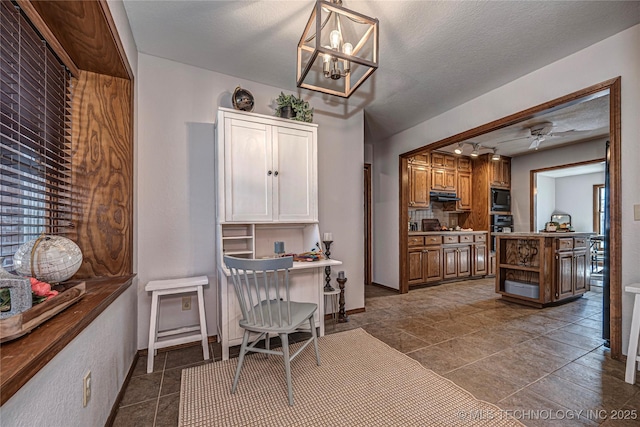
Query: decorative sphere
[
  {"x": 242, "y": 99},
  {"x": 55, "y": 259}
]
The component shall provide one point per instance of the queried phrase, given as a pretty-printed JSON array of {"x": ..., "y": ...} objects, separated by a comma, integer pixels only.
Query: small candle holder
[
  {"x": 327, "y": 269},
  {"x": 342, "y": 314},
  {"x": 278, "y": 249}
]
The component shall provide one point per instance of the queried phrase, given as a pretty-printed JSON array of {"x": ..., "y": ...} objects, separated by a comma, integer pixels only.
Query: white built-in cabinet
[
  {"x": 270, "y": 168},
  {"x": 266, "y": 191}
]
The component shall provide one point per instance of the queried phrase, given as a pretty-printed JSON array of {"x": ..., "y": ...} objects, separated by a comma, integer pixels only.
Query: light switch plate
[{"x": 636, "y": 212}]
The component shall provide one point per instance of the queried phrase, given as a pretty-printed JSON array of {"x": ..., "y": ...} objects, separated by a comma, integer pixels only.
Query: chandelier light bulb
[
  {"x": 347, "y": 49},
  {"x": 335, "y": 37}
]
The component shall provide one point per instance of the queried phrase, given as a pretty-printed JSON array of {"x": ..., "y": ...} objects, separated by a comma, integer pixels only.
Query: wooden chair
[{"x": 262, "y": 289}]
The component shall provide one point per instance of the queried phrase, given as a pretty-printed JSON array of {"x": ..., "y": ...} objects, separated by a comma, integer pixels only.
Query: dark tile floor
[{"x": 548, "y": 367}]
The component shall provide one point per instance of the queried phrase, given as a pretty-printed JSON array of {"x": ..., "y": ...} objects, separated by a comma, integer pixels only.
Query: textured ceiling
[{"x": 434, "y": 55}]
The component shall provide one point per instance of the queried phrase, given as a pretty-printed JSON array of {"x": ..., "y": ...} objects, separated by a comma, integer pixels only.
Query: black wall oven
[
  {"x": 500, "y": 224},
  {"x": 500, "y": 200}
]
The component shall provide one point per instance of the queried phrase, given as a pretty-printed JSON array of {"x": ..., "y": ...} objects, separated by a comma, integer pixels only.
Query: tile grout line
[{"x": 164, "y": 366}]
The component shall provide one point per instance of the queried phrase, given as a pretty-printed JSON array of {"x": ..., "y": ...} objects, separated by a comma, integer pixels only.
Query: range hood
[{"x": 443, "y": 196}]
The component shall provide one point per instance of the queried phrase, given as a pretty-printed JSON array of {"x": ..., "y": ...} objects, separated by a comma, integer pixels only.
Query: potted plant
[{"x": 292, "y": 107}]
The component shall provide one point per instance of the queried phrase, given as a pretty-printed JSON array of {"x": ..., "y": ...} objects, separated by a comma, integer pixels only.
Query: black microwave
[{"x": 500, "y": 200}]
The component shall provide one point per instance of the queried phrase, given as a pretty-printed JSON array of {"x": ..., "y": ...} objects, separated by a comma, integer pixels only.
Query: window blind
[{"x": 35, "y": 129}]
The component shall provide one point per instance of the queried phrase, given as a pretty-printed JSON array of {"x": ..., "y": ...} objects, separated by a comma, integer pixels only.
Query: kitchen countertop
[
  {"x": 547, "y": 234},
  {"x": 427, "y": 233}
]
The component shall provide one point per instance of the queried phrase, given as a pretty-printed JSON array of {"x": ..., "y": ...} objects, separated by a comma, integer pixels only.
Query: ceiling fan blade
[
  {"x": 536, "y": 142},
  {"x": 571, "y": 132}
]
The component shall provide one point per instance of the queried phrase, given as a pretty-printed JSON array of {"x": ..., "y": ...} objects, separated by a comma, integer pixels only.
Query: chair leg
[
  {"x": 284, "y": 338},
  {"x": 243, "y": 350},
  {"x": 315, "y": 338},
  {"x": 267, "y": 344}
]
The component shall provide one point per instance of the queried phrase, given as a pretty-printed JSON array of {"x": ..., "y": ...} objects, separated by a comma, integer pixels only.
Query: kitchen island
[{"x": 539, "y": 269}]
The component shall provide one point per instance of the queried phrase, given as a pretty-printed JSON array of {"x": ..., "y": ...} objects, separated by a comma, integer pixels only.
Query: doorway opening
[
  {"x": 368, "y": 251},
  {"x": 540, "y": 138},
  {"x": 577, "y": 193}
]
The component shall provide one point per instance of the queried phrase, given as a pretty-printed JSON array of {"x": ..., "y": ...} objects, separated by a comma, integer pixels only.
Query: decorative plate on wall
[{"x": 242, "y": 99}]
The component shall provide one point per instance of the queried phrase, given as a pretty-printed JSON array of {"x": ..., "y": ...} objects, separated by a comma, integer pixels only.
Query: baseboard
[
  {"x": 328, "y": 318},
  {"x": 125, "y": 384},
  {"x": 380, "y": 285},
  {"x": 211, "y": 339}
]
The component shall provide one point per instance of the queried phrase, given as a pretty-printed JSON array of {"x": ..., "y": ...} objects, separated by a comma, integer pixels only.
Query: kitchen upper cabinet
[
  {"x": 500, "y": 173},
  {"x": 266, "y": 168},
  {"x": 442, "y": 160},
  {"x": 443, "y": 179},
  {"x": 464, "y": 191},
  {"x": 464, "y": 164},
  {"x": 422, "y": 159},
  {"x": 418, "y": 185}
]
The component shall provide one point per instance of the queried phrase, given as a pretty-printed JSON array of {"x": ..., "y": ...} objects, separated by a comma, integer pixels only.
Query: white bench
[
  {"x": 160, "y": 288},
  {"x": 632, "y": 353}
]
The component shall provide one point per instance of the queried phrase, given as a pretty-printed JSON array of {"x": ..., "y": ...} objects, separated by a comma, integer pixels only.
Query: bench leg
[
  {"x": 153, "y": 331},
  {"x": 632, "y": 353},
  {"x": 203, "y": 324}
]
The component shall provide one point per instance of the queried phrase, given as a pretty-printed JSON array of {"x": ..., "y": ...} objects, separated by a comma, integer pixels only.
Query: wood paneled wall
[{"x": 102, "y": 143}]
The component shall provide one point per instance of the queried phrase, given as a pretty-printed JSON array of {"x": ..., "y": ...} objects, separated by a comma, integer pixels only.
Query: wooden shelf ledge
[{"x": 22, "y": 358}]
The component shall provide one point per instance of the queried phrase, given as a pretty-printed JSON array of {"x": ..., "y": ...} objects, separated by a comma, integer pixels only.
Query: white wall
[
  {"x": 616, "y": 56},
  {"x": 522, "y": 166},
  {"x": 545, "y": 200},
  {"x": 574, "y": 195},
  {"x": 53, "y": 397},
  {"x": 176, "y": 224}
]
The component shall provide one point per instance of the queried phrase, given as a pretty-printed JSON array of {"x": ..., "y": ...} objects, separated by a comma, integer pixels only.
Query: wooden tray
[{"x": 16, "y": 326}]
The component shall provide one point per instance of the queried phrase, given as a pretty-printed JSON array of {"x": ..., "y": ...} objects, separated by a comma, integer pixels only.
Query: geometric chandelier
[{"x": 338, "y": 49}]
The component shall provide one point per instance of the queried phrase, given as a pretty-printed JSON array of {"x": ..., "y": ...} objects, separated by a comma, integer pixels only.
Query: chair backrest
[{"x": 262, "y": 289}]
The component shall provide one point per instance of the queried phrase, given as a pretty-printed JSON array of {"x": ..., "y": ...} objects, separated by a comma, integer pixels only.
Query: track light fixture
[
  {"x": 459, "y": 148},
  {"x": 495, "y": 155},
  {"x": 476, "y": 150}
]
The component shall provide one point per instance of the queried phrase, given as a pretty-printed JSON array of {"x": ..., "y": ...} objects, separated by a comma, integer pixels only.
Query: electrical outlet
[
  {"x": 86, "y": 389},
  {"x": 186, "y": 303}
]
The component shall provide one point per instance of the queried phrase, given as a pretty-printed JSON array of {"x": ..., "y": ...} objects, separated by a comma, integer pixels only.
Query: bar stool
[
  {"x": 160, "y": 288},
  {"x": 632, "y": 353},
  {"x": 332, "y": 296}
]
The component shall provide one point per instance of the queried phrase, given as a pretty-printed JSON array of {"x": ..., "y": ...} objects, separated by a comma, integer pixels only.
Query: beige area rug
[{"x": 361, "y": 382}]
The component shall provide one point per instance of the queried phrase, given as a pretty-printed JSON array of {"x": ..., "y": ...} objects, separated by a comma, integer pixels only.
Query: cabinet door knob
[
  {"x": 269, "y": 173},
  {"x": 275, "y": 173}
]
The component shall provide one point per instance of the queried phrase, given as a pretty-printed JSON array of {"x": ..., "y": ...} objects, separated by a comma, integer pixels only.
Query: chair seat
[{"x": 300, "y": 312}]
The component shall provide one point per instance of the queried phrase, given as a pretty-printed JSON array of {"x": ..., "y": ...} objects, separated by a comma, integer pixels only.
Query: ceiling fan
[{"x": 541, "y": 132}]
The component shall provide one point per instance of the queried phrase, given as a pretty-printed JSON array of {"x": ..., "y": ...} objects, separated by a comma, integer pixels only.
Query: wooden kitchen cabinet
[
  {"x": 572, "y": 274},
  {"x": 464, "y": 183},
  {"x": 434, "y": 258},
  {"x": 480, "y": 261},
  {"x": 443, "y": 179},
  {"x": 419, "y": 183},
  {"x": 425, "y": 264},
  {"x": 500, "y": 172},
  {"x": 270, "y": 168},
  {"x": 464, "y": 164},
  {"x": 457, "y": 262},
  {"x": 443, "y": 160}
]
